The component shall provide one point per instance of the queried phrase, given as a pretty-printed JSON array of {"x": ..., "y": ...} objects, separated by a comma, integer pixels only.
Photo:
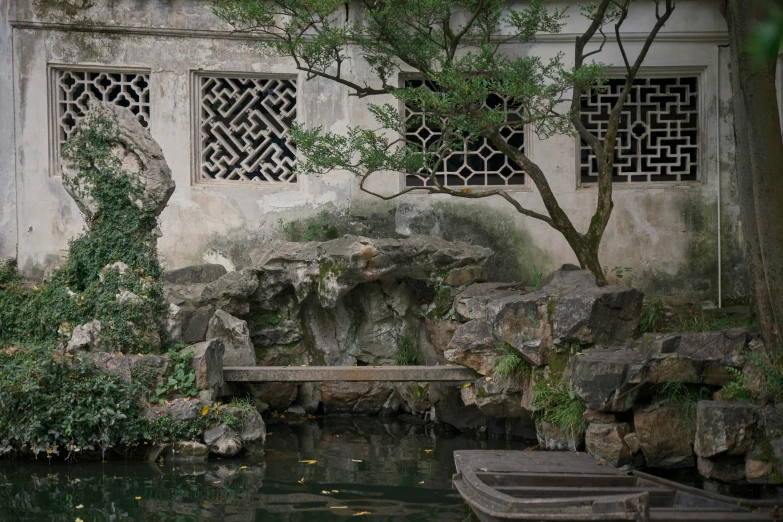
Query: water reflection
[{"x": 394, "y": 471}]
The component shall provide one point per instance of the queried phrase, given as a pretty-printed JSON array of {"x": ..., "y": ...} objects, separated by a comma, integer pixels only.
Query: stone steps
[{"x": 348, "y": 373}]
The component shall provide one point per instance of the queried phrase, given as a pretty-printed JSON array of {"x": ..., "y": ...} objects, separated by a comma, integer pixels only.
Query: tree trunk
[{"x": 759, "y": 158}]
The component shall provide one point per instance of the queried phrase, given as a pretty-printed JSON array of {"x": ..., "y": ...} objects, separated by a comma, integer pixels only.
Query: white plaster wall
[
  {"x": 8, "y": 225},
  {"x": 653, "y": 228}
]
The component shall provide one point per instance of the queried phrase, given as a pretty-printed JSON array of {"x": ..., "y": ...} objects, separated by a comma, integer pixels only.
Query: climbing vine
[{"x": 111, "y": 272}]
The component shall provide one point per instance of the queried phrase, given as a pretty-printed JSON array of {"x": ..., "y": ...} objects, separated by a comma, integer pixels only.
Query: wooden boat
[{"x": 565, "y": 486}]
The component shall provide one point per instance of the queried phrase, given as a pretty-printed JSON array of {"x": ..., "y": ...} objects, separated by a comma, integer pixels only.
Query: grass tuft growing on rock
[
  {"x": 553, "y": 403},
  {"x": 510, "y": 364},
  {"x": 407, "y": 353}
]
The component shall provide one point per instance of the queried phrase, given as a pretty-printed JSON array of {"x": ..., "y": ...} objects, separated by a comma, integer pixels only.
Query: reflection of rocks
[{"x": 552, "y": 438}]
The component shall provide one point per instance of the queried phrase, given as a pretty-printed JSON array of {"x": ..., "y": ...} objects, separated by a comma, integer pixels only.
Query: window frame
[
  {"x": 196, "y": 180},
  {"x": 52, "y": 69},
  {"x": 528, "y": 135},
  {"x": 700, "y": 73}
]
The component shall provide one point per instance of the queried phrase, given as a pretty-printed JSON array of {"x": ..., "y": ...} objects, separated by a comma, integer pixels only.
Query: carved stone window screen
[
  {"x": 243, "y": 129},
  {"x": 477, "y": 162},
  {"x": 658, "y": 138},
  {"x": 74, "y": 89}
]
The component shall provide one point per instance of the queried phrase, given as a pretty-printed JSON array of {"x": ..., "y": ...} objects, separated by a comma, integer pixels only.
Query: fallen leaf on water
[
  {"x": 355, "y": 460},
  {"x": 242, "y": 467},
  {"x": 308, "y": 461},
  {"x": 216, "y": 482},
  {"x": 206, "y": 502},
  {"x": 362, "y": 513},
  {"x": 421, "y": 482},
  {"x": 324, "y": 492},
  {"x": 338, "y": 507},
  {"x": 301, "y": 480},
  {"x": 138, "y": 498},
  {"x": 80, "y": 506},
  {"x": 79, "y": 520},
  {"x": 204, "y": 410},
  {"x": 270, "y": 433},
  {"x": 428, "y": 451},
  {"x": 335, "y": 491},
  {"x": 466, "y": 385}
]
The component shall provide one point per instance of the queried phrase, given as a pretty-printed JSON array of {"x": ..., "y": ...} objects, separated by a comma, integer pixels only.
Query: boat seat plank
[
  {"x": 658, "y": 496},
  {"x": 555, "y": 479}
]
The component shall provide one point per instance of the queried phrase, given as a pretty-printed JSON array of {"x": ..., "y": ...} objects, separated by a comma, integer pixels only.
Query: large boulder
[
  {"x": 140, "y": 156},
  {"x": 223, "y": 441},
  {"x": 179, "y": 410},
  {"x": 358, "y": 398},
  {"x": 253, "y": 427},
  {"x": 471, "y": 303},
  {"x": 207, "y": 363},
  {"x": 610, "y": 379},
  {"x": 665, "y": 437},
  {"x": 608, "y": 442},
  {"x": 570, "y": 307},
  {"x": 764, "y": 462},
  {"x": 332, "y": 268},
  {"x": 724, "y": 428},
  {"x": 238, "y": 350},
  {"x": 473, "y": 346}
]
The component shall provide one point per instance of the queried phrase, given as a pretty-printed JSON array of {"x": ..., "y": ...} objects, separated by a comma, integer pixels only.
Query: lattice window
[
  {"x": 658, "y": 139},
  {"x": 243, "y": 129},
  {"x": 74, "y": 89},
  {"x": 477, "y": 162}
]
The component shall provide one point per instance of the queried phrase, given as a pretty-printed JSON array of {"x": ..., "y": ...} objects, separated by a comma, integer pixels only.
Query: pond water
[{"x": 353, "y": 466}]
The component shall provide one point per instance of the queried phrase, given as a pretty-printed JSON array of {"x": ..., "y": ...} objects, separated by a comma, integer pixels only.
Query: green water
[{"x": 396, "y": 472}]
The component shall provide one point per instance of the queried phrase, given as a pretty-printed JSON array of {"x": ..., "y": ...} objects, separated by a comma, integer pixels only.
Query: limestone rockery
[{"x": 359, "y": 301}]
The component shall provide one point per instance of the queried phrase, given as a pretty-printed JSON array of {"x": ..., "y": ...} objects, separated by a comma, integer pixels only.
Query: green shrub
[
  {"x": 49, "y": 405},
  {"x": 736, "y": 390}
]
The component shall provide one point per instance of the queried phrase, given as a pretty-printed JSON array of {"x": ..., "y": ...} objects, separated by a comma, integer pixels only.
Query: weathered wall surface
[
  {"x": 8, "y": 225},
  {"x": 666, "y": 233}
]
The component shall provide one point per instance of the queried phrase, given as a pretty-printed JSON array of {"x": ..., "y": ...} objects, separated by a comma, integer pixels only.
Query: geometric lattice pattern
[
  {"x": 75, "y": 90},
  {"x": 658, "y": 137},
  {"x": 477, "y": 162},
  {"x": 243, "y": 129}
]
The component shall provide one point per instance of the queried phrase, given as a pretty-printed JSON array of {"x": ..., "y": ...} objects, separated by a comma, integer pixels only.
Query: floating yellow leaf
[
  {"x": 301, "y": 480},
  {"x": 80, "y": 506},
  {"x": 79, "y": 520},
  {"x": 428, "y": 451},
  {"x": 362, "y": 513},
  {"x": 421, "y": 482},
  {"x": 335, "y": 491},
  {"x": 466, "y": 385},
  {"x": 204, "y": 410},
  {"x": 308, "y": 461},
  {"x": 242, "y": 467},
  {"x": 338, "y": 507},
  {"x": 216, "y": 482},
  {"x": 138, "y": 498},
  {"x": 355, "y": 460},
  {"x": 324, "y": 492}
]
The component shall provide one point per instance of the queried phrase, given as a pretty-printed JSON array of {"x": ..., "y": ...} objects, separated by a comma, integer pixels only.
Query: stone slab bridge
[{"x": 348, "y": 373}]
